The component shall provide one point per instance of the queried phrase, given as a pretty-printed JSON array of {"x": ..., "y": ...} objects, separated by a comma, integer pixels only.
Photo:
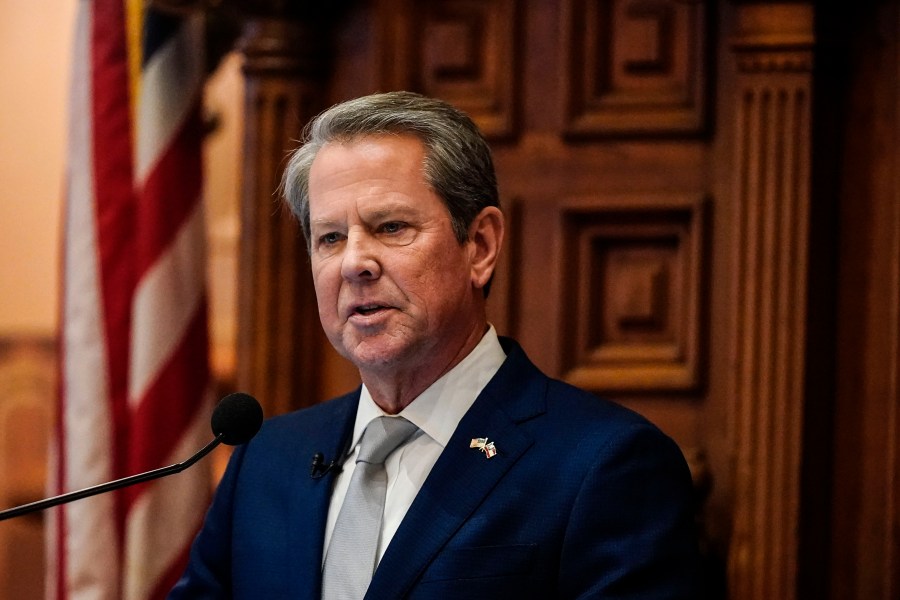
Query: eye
[
  {"x": 392, "y": 227},
  {"x": 329, "y": 239}
]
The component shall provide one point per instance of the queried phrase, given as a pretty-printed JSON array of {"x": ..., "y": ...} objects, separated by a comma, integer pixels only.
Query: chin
[{"x": 378, "y": 355}]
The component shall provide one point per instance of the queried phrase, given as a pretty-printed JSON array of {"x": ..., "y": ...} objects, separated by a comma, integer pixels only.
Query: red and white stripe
[{"x": 134, "y": 372}]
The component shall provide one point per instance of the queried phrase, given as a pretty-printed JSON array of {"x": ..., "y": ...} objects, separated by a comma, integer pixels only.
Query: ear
[{"x": 485, "y": 239}]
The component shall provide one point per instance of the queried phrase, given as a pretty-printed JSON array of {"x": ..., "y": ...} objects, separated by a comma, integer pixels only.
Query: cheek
[
  {"x": 421, "y": 274},
  {"x": 326, "y": 286},
  {"x": 438, "y": 281}
]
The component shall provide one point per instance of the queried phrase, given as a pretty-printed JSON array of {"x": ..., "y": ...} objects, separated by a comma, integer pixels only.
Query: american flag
[{"x": 134, "y": 373}]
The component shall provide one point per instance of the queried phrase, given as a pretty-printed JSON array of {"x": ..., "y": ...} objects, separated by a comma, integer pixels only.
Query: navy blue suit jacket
[{"x": 584, "y": 499}]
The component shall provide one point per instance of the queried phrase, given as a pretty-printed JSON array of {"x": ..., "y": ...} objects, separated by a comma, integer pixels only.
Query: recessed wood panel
[
  {"x": 634, "y": 67},
  {"x": 464, "y": 52},
  {"x": 635, "y": 269}
]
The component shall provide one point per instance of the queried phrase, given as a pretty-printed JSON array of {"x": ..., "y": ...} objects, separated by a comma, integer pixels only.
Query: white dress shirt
[{"x": 436, "y": 412}]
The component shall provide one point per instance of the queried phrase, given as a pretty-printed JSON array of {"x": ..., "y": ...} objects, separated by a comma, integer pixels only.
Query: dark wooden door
[
  {"x": 601, "y": 117},
  {"x": 668, "y": 174}
]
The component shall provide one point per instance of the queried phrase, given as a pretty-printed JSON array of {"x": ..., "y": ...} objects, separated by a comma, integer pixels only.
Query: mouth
[{"x": 366, "y": 310}]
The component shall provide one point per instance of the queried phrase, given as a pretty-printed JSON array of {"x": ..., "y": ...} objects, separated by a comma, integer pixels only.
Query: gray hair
[{"x": 457, "y": 164}]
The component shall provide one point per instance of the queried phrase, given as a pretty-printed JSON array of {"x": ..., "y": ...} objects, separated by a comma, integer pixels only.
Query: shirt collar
[{"x": 438, "y": 410}]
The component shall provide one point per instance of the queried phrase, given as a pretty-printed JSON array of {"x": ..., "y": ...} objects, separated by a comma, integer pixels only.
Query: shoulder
[
  {"x": 581, "y": 425},
  {"x": 313, "y": 418},
  {"x": 559, "y": 400},
  {"x": 282, "y": 436},
  {"x": 604, "y": 420},
  {"x": 605, "y": 432}
]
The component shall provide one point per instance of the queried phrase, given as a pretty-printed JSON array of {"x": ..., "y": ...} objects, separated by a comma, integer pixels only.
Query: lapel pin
[{"x": 484, "y": 445}]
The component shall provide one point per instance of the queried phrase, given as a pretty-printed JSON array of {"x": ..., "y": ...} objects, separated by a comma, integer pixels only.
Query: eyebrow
[
  {"x": 391, "y": 210},
  {"x": 323, "y": 224}
]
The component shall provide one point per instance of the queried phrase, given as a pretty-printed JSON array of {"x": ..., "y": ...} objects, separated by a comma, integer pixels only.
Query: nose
[{"x": 360, "y": 261}]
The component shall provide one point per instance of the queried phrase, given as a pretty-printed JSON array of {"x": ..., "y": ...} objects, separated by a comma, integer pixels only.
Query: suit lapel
[
  {"x": 309, "y": 512},
  {"x": 463, "y": 477}
]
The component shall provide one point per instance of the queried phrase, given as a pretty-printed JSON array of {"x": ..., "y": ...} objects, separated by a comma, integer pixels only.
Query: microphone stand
[{"x": 111, "y": 485}]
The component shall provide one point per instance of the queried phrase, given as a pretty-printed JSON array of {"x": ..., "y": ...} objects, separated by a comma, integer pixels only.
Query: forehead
[
  {"x": 377, "y": 155},
  {"x": 369, "y": 169}
]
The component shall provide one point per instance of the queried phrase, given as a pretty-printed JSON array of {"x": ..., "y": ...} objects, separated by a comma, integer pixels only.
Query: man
[{"x": 504, "y": 483}]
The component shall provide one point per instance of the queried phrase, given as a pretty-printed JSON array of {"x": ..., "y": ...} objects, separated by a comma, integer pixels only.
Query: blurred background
[
  {"x": 36, "y": 60},
  {"x": 704, "y": 225}
]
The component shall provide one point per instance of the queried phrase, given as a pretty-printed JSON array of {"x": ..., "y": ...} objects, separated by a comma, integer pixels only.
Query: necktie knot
[{"x": 381, "y": 437}]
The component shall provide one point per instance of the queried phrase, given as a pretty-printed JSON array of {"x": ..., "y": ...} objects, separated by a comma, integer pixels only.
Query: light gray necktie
[{"x": 352, "y": 553}]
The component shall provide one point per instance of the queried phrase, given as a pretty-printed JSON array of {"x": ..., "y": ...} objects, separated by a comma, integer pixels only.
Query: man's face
[{"x": 394, "y": 286}]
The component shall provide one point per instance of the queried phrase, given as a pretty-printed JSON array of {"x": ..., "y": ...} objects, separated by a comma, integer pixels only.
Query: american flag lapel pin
[
  {"x": 489, "y": 449},
  {"x": 485, "y": 446}
]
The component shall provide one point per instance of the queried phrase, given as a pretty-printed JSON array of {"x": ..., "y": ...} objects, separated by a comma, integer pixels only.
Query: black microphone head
[{"x": 238, "y": 416}]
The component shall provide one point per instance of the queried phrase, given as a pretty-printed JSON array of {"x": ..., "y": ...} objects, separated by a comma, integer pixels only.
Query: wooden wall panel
[
  {"x": 27, "y": 392},
  {"x": 865, "y": 518},
  {"x": 588, "y": 100},
  {"x": 638, "y": 206},
  {"x": 771, "y": 195},
  {"x": 462, "y": 51},
  {"x": 635, "y": 67},
  {"x": 279, "y": 337},
  {"x": 635, "y": 269},
  {"x": 890, "y": 563}
]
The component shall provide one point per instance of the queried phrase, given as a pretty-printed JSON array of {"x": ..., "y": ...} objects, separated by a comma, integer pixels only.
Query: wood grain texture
[
  {"x": 635, "y": 67},
  {"x": 279, "y": 336},
  {"x": 463, "y": 51},
  {"x": 635, "y": 268},
  {"x": 772, "y": 200}
]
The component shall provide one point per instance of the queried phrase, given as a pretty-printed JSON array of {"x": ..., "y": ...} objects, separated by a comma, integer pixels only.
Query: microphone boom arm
[{"x": 111, "y": 485}]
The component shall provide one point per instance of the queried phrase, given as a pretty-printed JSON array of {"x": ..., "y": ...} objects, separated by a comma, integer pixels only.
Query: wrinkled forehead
[{"x": 381, "y": 174}]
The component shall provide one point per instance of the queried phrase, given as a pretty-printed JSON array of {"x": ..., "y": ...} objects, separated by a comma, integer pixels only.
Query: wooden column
[
  {"x": 286, "y": 60},
  {"x": 773, "y": 54}
]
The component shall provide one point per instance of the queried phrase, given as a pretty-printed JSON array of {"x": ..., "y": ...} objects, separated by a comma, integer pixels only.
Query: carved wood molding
[
  {"x": 462, "y": 51},
  {"x": 635, "y": 67},
  {"x": 774, "y": 38},
  {"x": 772, "y": 200},
  {"x": 279, "y": 337},
  {"x": 636, "y": 270}
]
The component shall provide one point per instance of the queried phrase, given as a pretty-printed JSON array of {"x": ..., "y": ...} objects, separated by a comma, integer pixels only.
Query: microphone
[
  {"x": 235, "y": 421},
  {"x": 318, "y": 468}
]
